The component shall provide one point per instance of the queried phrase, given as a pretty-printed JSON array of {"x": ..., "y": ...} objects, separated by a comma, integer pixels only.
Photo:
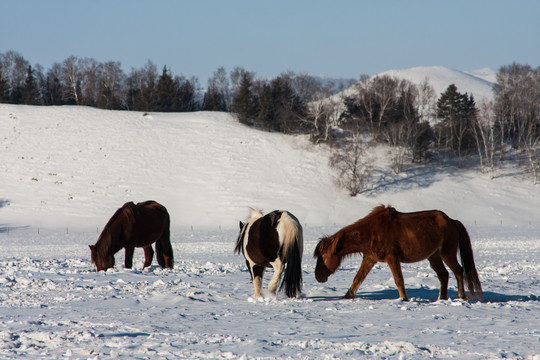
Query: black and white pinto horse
[{"x": 273, "y": 240}]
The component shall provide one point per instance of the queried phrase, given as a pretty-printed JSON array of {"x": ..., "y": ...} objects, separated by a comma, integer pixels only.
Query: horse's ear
[
  {"x": 241, "y": 225},
  {"x": 317, "y": 250},
  {"x": 334, "y": 244},
  {"x": 338, "y": 245}
]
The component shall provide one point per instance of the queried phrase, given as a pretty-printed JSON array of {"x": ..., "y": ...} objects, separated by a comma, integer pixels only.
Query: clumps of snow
[{"x": 54, "y": 304}]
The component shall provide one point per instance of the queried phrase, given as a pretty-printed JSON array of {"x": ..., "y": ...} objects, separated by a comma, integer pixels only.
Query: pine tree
[
  {"x": 29, "y": 91},
  {"x": 186, "y": 96},
  {"x": 456, "y": 110},
  {"x": 214, "y": 100},
  {"x": 167, "y": 92},
  {"x": 267, "y": 109},
  {"x": 244, "y": 103},
  {"x": 4, "y": 87}
]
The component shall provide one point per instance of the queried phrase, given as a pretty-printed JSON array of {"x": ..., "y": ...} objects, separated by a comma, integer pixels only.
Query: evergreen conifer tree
[
  {"x": 186, "y": 96},
  {"x": 167, "y": 92},
  {"x": 4, "y": 87},
  {"x": 244, "y": 103},
  {"x": 213, "y": 100},
  {"x": 456, "y": 110},
  {"x": 267, "y": 109},
  {"x": 29, "y": 91}
]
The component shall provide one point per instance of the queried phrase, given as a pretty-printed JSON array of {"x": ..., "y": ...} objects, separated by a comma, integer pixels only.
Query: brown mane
[
  {"x": 105, "y": 238},
  {"x": 330, "y": 244}
]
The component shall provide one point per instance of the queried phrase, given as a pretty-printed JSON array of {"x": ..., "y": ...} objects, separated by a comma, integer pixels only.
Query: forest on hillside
[{"x": 417, "y": 125}]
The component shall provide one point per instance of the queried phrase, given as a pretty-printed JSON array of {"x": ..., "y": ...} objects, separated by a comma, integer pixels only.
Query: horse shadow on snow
[{"x": 426, "y": 295}]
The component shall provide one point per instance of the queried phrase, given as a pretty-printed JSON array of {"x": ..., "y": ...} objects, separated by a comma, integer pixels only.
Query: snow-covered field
[
  {"x": 65, "y": 170},
  {"x": 54, "y": 305}
]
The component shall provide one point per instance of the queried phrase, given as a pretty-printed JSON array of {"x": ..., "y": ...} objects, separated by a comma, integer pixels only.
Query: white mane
[{"x": 254, "y": 214}]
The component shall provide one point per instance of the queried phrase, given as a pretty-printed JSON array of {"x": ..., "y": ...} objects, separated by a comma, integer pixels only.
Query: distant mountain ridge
[{"x": 479, "y": 82}]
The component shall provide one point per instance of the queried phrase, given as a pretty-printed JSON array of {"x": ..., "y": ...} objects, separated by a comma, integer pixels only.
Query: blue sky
[{"x": 333, "y": 38}]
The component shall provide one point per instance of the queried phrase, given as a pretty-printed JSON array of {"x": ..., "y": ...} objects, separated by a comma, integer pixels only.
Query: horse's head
[
  {"x": 102, "y": 262},
  {"x": 100, "y": 254},
  {"x": 327, "y": 258}
]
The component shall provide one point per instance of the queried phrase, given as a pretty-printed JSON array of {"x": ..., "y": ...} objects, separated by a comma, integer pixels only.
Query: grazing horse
[
  {"x": 134, "y": 226},
  {"x": 274, "y": 239},
  {"x": 387, "y": 235}
]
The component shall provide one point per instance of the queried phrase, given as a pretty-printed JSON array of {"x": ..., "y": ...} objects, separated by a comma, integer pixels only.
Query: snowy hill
[
  {"x": 74, "y": 166},
  {"x": 479, "y": 83}
]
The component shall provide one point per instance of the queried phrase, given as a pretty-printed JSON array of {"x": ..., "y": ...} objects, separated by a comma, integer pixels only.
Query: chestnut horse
[
  {"x": 387, "y": 235},
  {"x": 134, "y": 226},
  {"x": 276, "y": 240}
]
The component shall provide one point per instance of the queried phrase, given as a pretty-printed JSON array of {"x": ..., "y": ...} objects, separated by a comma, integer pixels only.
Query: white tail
[
  {"x": 290, "y": 231},
  {"x": 292, "y": 246}
]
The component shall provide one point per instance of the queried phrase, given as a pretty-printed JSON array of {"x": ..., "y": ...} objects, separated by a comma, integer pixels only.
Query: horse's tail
[
  {"x": 467, "y": 261},
  {"x": 164, "y": 251},
  {"x": 290, "y": 231}
]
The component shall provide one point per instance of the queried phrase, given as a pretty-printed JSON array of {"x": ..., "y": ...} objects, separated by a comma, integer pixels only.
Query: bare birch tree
[
  {"x": 485, "y": 135},
  {"x": 352, "y": 166}
]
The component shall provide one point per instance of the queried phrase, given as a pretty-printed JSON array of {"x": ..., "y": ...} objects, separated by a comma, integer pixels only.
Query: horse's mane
[
  {"x": 378, "y": 213},
  {"x": 127, "y": 206},
  {"x": 105, "y": 239},
  {"x": 254, "y": 214},
  {"x": 381, "y": 210},
  {"x": 331, "y": 243}
]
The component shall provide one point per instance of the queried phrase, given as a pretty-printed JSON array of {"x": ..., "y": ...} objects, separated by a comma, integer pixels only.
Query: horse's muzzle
[{"x": 321, "y": 278}]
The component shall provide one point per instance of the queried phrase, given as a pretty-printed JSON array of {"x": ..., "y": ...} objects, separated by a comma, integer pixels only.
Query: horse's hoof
[{"x": 349, "y": 295}]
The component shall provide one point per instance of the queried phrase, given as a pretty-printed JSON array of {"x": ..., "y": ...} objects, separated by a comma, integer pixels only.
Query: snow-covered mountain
[{"x": 479, "y": 82}]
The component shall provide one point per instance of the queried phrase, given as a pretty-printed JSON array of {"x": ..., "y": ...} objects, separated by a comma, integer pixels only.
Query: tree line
[
  {"x": 85, "y": 81},
  {"x": 415, "y": 123}
]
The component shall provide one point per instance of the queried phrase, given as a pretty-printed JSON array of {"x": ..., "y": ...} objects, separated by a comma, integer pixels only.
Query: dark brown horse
[
  {"x": 386, "y": 235},
  {"x": 135, "y": 226}
]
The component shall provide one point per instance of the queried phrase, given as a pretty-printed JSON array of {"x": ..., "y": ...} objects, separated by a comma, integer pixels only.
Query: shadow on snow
[{"x": 427, "y": 295}]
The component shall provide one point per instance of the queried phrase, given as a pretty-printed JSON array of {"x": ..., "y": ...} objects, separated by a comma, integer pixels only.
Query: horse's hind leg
[
  {"x": 128, "y": 261},
  {"x": 453, "y": 264},
  {"x": 148, "y": 255},
  {"x": 164, "y": 252},
  {"x": 278, "y": 266},
  {"x": 437, "y": 264}
]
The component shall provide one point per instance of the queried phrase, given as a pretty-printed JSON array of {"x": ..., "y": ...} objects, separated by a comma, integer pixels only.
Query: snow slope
[
  {"x": 74, "y": 166},
  {"x": 479, "y": 83},
  {"x": 65, "y": 170}
]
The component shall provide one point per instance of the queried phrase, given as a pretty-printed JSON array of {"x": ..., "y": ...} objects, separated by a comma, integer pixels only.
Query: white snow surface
[
  {"x": 477, "y": 82},
  {"x": 65, "y": 170}
]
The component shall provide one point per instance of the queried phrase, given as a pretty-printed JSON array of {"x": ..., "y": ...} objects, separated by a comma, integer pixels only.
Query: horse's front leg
[
  {"x": 395, "y": 267},
  {"x": 148, "y": 255},
  {"x": 128, "y": 261},
  {"x": 365, "y": 268},
  {"x": 278, "y": 266}
]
